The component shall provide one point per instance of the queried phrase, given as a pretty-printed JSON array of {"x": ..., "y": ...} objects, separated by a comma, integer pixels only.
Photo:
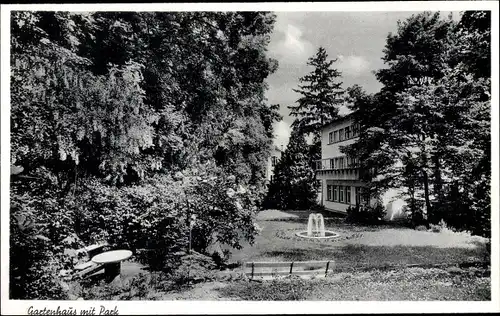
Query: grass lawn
[
  {"x": 371, "y": 266},
  {"x": 387, "y": 262},
  {"x": 397, "y": 285},
  {"x": 359, "y": 247}
]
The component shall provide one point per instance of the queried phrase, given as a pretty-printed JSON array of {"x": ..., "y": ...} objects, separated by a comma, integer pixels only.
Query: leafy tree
[
  {"x": 398, "y": 123},
  {"x": 428, "y": 129},
  {"x": 473, "y": 43},
  {"x": 115, "y": 115},
  {"x": 294, "y": 183}
]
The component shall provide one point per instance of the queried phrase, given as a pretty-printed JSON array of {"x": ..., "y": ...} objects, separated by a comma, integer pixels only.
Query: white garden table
[{"x": 112, "y": 262}]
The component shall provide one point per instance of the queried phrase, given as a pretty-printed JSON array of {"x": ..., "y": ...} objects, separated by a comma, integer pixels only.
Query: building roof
[{"x": 344, "y": 113}]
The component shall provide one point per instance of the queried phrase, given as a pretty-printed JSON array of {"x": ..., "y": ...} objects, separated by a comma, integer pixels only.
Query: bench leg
[{"x": 111, "y": 271}]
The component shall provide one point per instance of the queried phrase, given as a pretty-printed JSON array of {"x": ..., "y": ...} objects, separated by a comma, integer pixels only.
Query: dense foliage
[
  {"x": 428, "y": 129},
  {"x": 369, "y": 215},
  {"x": 128, "y": 123},
  {"x": 294, "y": 183}
]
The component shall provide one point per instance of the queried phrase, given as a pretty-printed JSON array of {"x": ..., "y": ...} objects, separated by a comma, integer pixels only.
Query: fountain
[{"x": 316, "y": 228}]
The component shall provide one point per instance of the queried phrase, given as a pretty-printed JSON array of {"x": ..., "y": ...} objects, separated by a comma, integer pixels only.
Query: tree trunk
[
  {"x": 438, "y": 188},
  {"x": 426, "y": 195},
  {"x": 438, "y": 181}
]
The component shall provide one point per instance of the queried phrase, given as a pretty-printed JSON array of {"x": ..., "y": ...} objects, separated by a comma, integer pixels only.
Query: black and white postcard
[{"x": 275, "y": 158}]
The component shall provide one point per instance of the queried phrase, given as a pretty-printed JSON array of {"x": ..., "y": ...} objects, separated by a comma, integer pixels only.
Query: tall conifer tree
[
  {"x": 321, "y": 95},
  {"x": 294, "y": 184}
]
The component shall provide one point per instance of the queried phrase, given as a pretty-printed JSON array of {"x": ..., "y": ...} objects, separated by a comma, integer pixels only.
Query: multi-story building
[
  {"x": 339, "y": 174},
  {"x": 341, "y": 186},
  {"x": 271, "y": 163}
]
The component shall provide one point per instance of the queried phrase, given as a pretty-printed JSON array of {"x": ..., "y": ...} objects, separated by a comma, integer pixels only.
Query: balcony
[{"x": 324, "y": 170}]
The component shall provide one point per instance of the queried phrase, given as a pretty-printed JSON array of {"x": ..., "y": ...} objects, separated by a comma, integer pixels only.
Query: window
[
  {"x": 332, "y": 164},
  {"x": 341, "y": 135},
  {"x": 355, "y": 130},
  {"x": 335, "y": 193},
  {"x": 341, "y": 163},
  {"x": 354, "y": 162},
  {"x": 341, "y": 193},
  {"x": 335, "y": 136},
  {"x": 347, "y": 133},
  {"x": 348, "y": 194},
  {"x": 274, "y": 160},
  {"x": 330, "y": 137},
  {"x": 329, "y": 191},
  {"x": 361, "y": 196},
  {"x": 336, "y": 163}
]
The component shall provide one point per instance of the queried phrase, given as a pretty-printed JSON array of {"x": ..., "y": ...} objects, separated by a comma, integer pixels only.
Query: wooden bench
[
  {"x": 89, "y": 267},
  {"x": 96, "y": 249},
  {"x": 302, "y": 268}
]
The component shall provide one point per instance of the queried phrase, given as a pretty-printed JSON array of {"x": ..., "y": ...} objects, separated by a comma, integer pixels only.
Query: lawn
[
  {"x": 386, "y": 262},
  {"x": 421, "y": 284},
  {"x": 359, "y": 247}
]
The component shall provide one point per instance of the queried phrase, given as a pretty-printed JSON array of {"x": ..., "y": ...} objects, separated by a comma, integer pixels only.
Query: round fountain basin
[{"x": 328, "y": 234}]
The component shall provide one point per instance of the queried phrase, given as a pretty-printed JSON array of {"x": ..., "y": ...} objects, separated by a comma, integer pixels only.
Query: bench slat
[
  {"x": 85, "y": 265},
  {"x": 286, "y": 264},
  {"x": 92, "y": 247},
  {"x": 312, "y": 272},
  {"x": 95, "y": 267},
  {"x": 95, "y": 247}
]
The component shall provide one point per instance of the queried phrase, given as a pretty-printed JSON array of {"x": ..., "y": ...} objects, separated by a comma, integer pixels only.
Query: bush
[
  {"x": 441, "y": 227},
  {"x": 157, "y": 216},
  {"x": 140, "y": 286},
  {"x": 38, "y": 223},
  {"x": 147, "y": 216},
  {"x": 195, "y": 268},
  {"x": 368, "y": 215},
  {"x": 421, "y": 228},
  {"x": 154, "y": 216}
]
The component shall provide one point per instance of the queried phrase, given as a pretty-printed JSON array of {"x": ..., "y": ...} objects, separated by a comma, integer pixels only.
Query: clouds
[
  {"x": 288, "y": 44},
  {"x": 352, "y": 65},
  {"x": 357, "y": 39},
  {"x": 282, "y": 132}
]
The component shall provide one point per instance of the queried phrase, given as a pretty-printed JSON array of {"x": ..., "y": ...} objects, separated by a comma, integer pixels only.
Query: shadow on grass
[
  {"x": 332, "y": 219},
  {"x": 302, "y": 215},
  {"x": 429, "y": 285},
  {"x": 360, "y": 257}
]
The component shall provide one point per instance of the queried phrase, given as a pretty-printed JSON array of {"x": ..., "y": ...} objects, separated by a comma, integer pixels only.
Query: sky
[{"x": 356, "y": 39}]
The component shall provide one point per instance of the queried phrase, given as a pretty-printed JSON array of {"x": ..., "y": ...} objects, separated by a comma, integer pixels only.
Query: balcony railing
[{"x": 325, "y": 164}]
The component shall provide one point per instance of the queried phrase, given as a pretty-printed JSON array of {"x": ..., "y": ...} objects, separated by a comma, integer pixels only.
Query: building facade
[
  {"x": 337, "y": 173},
  {"x": 339, "y": 176},
  {"x": 272, "y": 161}
]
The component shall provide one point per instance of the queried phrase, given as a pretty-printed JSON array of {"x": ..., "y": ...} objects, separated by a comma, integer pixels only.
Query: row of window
[
  {"x": 342, "y": 194},
  {"x": 343, "y": 162},
  {"x": 343, "y": 134}
]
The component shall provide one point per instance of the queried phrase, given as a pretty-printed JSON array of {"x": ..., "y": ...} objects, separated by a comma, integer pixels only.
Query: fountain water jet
[{"x": 316, "y": 228}]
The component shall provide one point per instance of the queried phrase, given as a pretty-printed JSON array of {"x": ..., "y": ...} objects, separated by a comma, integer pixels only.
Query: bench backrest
[{"x": 290, "y": 267}]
